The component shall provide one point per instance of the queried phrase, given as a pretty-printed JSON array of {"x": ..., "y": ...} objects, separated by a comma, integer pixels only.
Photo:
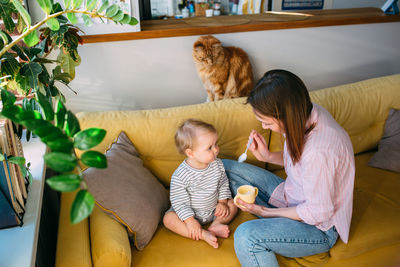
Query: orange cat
[{"x": 225, "y": 71}]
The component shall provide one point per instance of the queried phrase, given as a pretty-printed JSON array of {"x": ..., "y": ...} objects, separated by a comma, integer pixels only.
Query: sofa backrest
[
  {"x": 361, "y": 108},
  {"x": 152, "y": 131}
]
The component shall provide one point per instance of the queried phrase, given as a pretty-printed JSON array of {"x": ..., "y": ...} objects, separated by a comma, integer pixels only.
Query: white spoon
[{"x": 243, "y": 157}]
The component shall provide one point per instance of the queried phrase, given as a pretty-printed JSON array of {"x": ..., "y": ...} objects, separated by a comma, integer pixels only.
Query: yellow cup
[{"x": 247, "y": 193}]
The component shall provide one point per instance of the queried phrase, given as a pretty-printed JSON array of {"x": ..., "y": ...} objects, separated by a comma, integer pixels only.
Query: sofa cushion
[
  {"x": 388, "y": 155},
  {"x": 152, "y": 131},
  {"x": 128, "y": 192},
  {"x": 361, "y": 108},
  {"x": 169, "y": 249},
  {"x": 106, "y": 251},
  {"x": 376, "y": 208}
]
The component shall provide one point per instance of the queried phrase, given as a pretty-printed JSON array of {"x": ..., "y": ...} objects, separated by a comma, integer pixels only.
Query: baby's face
[{"x": 205, "y": 149}]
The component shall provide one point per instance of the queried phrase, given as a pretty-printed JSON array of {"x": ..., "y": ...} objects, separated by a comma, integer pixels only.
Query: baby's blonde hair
[{"x": 186, "y": 134}]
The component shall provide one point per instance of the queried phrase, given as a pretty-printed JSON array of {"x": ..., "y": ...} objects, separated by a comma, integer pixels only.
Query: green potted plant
[{"x": 27, "y": 72}]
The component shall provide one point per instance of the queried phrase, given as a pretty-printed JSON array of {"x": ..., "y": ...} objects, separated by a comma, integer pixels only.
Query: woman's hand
[
  {"x": 259, "y": 147},
  {"x": 255, "y": 209},
  {"x": 194, "y": 228},
  {"x": 265, "y": 212}
]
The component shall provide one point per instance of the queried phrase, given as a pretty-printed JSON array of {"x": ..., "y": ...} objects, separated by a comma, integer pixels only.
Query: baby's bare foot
[
  {"x": 220, "y": 230},
  {"x": 210, "y": 238}
]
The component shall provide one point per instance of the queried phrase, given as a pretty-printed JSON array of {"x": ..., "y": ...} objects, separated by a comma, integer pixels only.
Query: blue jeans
[{"x": 257, "y": 241}]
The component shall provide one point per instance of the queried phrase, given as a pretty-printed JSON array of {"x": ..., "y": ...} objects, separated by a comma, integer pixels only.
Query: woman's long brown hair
[{"x": 282, "y": 95}]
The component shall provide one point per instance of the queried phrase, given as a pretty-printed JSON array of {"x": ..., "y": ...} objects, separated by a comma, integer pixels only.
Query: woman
[{"x": 304, "y": 214}]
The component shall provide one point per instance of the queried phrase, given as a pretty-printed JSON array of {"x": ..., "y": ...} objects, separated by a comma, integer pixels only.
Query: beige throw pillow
[
  {"x": 129, "y": 192},
  {"x": 388, "y": 155}
]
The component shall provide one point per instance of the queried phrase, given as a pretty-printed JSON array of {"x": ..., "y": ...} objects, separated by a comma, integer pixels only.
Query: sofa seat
[
  {"x": 169, "y": 249},
  {"x": 376, "y": 206}
]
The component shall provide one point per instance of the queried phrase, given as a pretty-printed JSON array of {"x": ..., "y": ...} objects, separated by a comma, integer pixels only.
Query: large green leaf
[
  {"x": 19, "y": 52},
  {"x": 89, "y": 138},
  {"x": 23, "y": 12},
  {"x": 32, "y": 52},
  {"x": 32, "y": 71},
  {"x": 61, "y": 145},
  {"x": 44, "y": 76},
  {"x": 119, "y": 16},
  {"x": 103, "y": 7},
  {"x": 7, "y": 97},
  {"x": 90, "y": 4},
  {"x": 72, "y": 18},
  {"x": 53, "y": 24},
  {"x": 32, "y": 38},
  {"x": 71, "y": 125},
  {"x": 4, "y": 38},
  {"x": 46, "y": 106},
  {"x": 17, "y": 160},
  {"x": 133, "y": 21},
  {"x": 94, "y": 159},
  {"x": 46, "y": 5},
  {"x": 26, "y": 115},
  {"x": 5, "y": 15},
  {"x": 9, "y": 66},
  {"x": 67, "y": 3},
  {"x": 82, "y": 206},
  {"x": 126, "y": 19},
  {"x": 60, "y": 114},
  {"x": 60, "y": 162},
  {"x": 76, "y": 4},
  {"x": 87, "y": 20},
  {"x": 112, "y": 11},
  {"x": 49, "y": 133},
  {"x": 68, "y": 64},
  {"x": 32, "y": 125},
  {"x": 11, "y": 112},
  {"x": 64, "y": 182}
]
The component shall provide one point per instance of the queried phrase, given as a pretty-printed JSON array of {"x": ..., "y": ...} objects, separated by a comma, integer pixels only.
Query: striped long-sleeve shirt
[
  {"x": 196, "y": 192},
  {"x": 321, "y": 184}
]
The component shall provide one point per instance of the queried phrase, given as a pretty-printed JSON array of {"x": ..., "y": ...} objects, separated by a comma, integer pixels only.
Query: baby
[{"x": 200, "y": 191}]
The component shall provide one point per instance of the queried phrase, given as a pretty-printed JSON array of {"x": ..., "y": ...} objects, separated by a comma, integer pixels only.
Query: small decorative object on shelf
[
  {"x": 200, "y": 8},
  {"x": 390, "y": 7}
]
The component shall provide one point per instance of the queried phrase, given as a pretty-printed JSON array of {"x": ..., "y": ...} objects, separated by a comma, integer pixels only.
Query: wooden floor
[{"x": 244, "y": 23}]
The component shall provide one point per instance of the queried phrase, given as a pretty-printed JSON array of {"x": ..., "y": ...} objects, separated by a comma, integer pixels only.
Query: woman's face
[{"x": 269, "y": 123}]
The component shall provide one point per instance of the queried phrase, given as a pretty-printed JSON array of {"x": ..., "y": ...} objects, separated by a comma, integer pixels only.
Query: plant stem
[{"x": 40, "y": 23}]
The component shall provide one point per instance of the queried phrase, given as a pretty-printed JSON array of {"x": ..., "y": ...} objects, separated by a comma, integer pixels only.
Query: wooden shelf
[{"x": 181, "y": 27}]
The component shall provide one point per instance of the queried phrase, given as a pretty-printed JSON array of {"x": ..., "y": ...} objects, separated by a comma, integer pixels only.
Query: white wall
[{"x": 157, "y": 73}]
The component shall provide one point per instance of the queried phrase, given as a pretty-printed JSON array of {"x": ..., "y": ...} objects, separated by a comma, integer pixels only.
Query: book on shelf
[
  {"x": 9, "y": 215},
  {"x": 13, "y": 185}
]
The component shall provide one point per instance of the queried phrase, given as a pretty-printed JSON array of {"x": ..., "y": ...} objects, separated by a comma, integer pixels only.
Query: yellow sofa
[{"x": 361, "y": 108}]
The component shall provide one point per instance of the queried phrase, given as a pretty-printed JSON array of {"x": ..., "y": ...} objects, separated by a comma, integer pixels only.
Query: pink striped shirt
[{"x": 321, "y": 184}]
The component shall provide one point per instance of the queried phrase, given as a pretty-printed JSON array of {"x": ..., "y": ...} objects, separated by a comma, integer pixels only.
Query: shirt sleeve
[
  {"x": 224, "y": 192},
  {"x": 319, "y": 188},
  {"x": 180, "y": 200}
]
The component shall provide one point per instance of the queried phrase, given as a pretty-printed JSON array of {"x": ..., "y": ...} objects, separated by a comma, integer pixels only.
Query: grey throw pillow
[
  {"x": 129, "y": 192},
  {"x": 388, "y": 155}
]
